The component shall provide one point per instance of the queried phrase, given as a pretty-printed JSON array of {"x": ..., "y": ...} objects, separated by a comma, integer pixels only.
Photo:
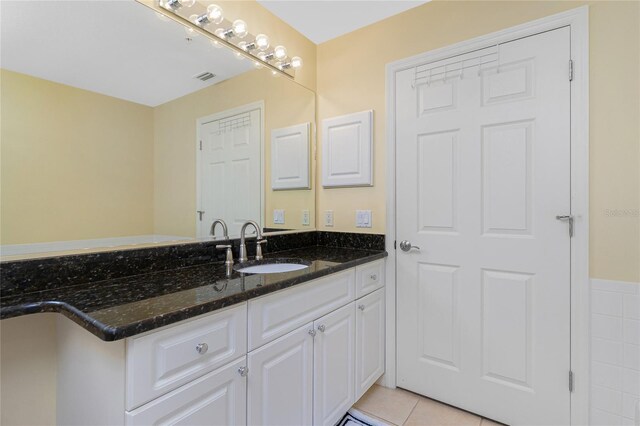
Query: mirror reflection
[{"x": 120, "y": 127}]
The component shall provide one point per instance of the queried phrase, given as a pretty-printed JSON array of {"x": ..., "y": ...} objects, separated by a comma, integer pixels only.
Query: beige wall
[
  {"x": 285, "y": 103},
  {"x": 52, "y": 135},
  {"x": 351, "y": 77},
  {"x": 28, "y": 368}
]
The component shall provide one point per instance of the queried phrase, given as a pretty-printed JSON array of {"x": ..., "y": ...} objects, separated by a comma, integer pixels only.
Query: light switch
[
  {"x": 305, "y": 218},
  {"x": 278, "y": 217},
  {"x": 328, "y": 218},
  {"x": 363, "y": 218}
]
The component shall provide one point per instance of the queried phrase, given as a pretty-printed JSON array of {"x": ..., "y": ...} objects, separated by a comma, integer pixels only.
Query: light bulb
[
  {"x": 187, "y": 3},
  {"x": 219, "y": 33},
  {"x": 262, "y": 41},
  {"x": 193, "y": 18},
  {"x": 279, "y": 65},
  {"x": 280, "y": 52},
  {"x": 214, "y": 13},
  {"x": 240, "y": 28},
  {"x": 296, "y": 62},
  {"x": 262, "y": 56},
  {"x": 243, "y": 45}
]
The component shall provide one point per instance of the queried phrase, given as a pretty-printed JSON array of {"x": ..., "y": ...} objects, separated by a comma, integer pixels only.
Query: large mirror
[{"x": 120, "y": 127}]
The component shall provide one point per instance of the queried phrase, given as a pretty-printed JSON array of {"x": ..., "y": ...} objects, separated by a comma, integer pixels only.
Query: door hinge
[
  {"x": 394, "y": 244},
  {"x": 200, "y": 145},
  {"x": 570, "y": 381},
  {"x": 570, "y": 69}
]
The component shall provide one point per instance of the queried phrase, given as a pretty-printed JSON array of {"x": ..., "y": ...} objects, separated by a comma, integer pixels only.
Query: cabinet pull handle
[
  {"x": 361, "y": 307},
  {"x": 321, "y": 328},
  {"x": 312, "y": 333},
  {"x": 202, "y": 348},
  {"x": 243, "y": 371},
  {"x": 373, "y": 277}
]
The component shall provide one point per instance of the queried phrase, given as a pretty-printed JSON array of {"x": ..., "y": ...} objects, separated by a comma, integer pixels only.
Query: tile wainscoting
[{"x": 615, "y": 353}]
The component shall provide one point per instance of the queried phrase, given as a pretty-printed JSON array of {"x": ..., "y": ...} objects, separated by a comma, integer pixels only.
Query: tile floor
[{"x": 399, "y": 407}]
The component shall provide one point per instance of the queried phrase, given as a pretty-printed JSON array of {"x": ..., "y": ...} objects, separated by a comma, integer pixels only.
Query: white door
[
  {"x": 482, "y": 171},
  {"x": 369, "y": 340},
  {"x": 280, "y": 389},
  {"x": 334, "y": 361},
  {"x": 230, "y": 171},
  {"x": 217, "y": 398}
]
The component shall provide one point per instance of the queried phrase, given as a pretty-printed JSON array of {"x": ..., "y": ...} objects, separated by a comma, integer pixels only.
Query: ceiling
[
  {"x": 116, "y": 48},
  {"x": 323, "y": 20}
]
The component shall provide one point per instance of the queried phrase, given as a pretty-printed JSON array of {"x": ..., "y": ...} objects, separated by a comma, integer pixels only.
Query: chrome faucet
[
  {"x": 243, "y": 245},
  {"x": 228, "y": 263},
  {"x": 225, "y": 231}
]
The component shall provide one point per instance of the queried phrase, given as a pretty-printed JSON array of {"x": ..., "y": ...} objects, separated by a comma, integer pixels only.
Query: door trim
[
  {"x": 578, "y": 21},
  {"x": 217, "y": 116}
]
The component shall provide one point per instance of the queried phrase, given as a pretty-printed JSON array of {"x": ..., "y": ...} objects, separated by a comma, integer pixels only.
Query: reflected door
[
  {"x": 230, "y": 171},
  {"x": 483, "y": 168}
]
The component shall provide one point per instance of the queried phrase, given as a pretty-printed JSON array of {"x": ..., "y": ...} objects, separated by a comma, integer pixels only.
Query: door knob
[{"x": 406, "y": 246}]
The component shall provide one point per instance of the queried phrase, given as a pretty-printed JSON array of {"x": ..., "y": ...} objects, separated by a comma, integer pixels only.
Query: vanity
[{"x": 193, "y": 346}]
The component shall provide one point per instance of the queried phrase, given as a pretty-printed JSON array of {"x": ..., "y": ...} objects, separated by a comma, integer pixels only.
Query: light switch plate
[
  {"x": 278, "y": 217},
  {"x": 363, "y": 218},
  {"x": 328, "y": 218},
  {"x": 305, "y": 218}
]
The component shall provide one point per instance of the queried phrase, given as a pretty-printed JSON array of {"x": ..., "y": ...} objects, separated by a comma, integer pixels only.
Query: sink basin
[{"x": 271, "y": 266}]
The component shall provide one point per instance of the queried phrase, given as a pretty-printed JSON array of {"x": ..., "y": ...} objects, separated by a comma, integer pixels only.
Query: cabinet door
[
  {"x": 218, "y": 398},
  {"x": 334, "y": 365},
  {"x": 369, "y": 340},
  {"x": 280, "y": 380}
]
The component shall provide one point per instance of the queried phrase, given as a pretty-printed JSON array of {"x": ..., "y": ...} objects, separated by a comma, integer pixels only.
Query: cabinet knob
[
  {"x": 321, "y": 328},
  {"x": 202, "y": 348},
  {"x": 243, "y": 371},
  {"x": 312, "y": 333},
  {"x": 373, "y": 277},
  {"x": 361, "y": 307}
]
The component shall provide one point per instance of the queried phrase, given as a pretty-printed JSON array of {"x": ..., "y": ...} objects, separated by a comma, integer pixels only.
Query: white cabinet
[
  {"x": 217, "y": 398},
  {"x": 278, "y": 313},
  {"x": 369, "y": 341},
  {"x": 163, "y": 360},
  {"x": 334, "y": 365},
  {"x": 369, "y": 277},
  {"x": 281, "y": 380}
]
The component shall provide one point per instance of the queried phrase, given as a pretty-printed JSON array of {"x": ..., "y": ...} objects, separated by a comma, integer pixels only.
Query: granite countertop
[{"x": 113, "y": 309}]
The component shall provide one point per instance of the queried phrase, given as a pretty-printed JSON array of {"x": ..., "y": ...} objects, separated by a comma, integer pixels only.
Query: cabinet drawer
[
  {"x": 161, "y": 361},
  {"x": 218, "y": 398},
  {"x": 369, "y": 277},
  {"x": 276, "y": 314}
]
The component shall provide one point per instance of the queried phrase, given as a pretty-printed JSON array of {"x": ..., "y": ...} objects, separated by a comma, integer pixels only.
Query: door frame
[
  {"x": 578, "y": 21},
  {"x": 258, "y": 105}
]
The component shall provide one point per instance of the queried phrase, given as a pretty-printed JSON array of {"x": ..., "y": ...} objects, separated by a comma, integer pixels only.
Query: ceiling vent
[{"x": 205, "y": 76}]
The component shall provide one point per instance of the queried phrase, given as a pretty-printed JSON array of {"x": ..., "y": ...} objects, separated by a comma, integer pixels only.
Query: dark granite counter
[{"x": 116, "y": 308}]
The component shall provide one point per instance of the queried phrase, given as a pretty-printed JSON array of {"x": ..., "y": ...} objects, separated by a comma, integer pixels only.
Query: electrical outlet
[
  {"x": 278, "y": 217},
  {"x": 363, "y": 218},
  {"x": 328, "y": 218},
  {"x": 305, "y": 218}
]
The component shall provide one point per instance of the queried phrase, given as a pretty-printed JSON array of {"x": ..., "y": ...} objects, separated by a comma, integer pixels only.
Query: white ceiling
[
  {"x": 323, "y": 20},
  {"x": 117, "y": 48}
]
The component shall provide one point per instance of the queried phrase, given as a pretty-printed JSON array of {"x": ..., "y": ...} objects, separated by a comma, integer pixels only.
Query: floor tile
[
  {"x": 392, "y": 405},
  {"x": 432, "y": 413},
  {"x": 487, "y": 422}
]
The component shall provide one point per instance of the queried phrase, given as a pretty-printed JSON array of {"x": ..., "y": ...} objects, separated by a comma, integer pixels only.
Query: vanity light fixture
[{"x": 226, "y": 33}]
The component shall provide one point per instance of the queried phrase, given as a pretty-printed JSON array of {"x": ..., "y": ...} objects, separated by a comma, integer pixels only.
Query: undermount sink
[{"x": 271, "y": 266}]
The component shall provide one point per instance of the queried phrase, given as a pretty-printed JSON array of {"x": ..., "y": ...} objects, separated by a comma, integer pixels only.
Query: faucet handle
[
  {"x": 229, "y": 259},
  {"x": 223, "y": 246},
  {"x": 259, "y": 244}
]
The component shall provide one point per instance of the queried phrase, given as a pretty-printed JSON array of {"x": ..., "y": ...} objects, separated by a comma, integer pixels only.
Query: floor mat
[{"x": 358, "y": 418}]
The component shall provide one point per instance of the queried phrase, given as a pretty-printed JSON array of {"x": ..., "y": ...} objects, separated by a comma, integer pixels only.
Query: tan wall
[
  {"x": 52, "y": 135},
  {"x": 351, "y": 78},
  {"x": 286, "y": 104},
  {"x": 28, "y": 368}
]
